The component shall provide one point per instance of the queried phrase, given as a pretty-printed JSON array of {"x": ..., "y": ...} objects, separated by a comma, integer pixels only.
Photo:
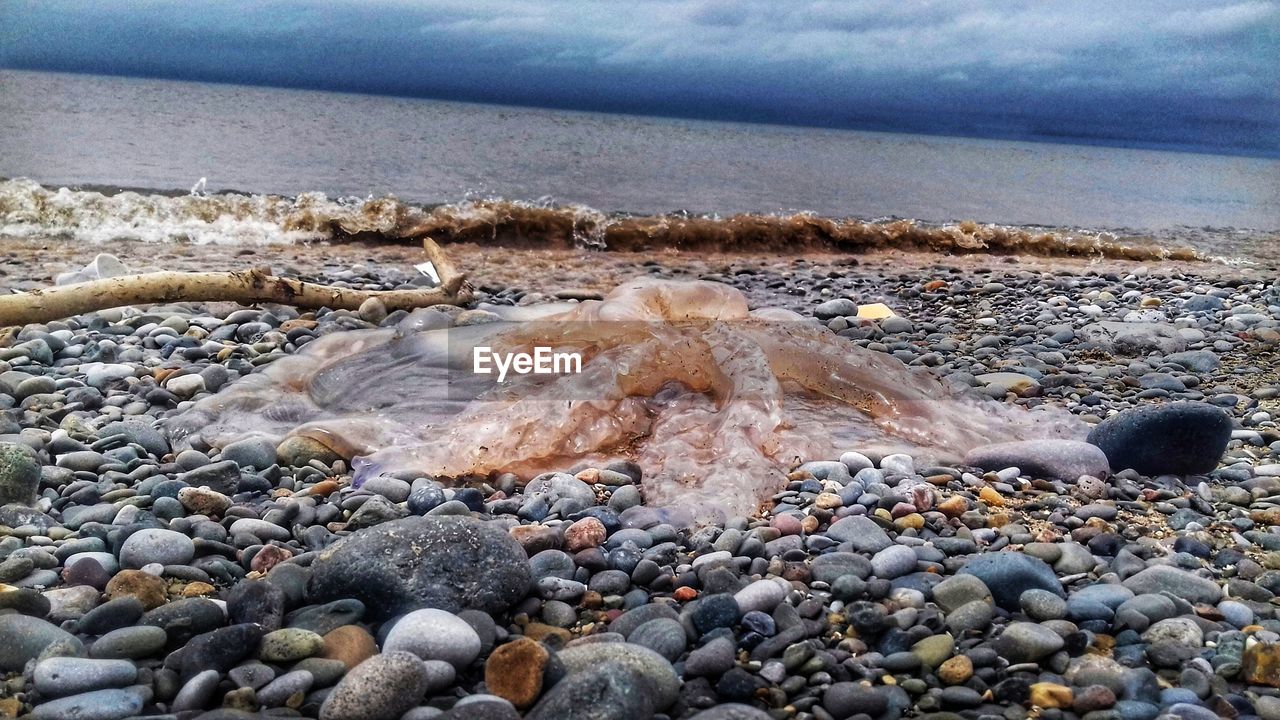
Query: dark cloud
[{"x": 1182, "y": 72}]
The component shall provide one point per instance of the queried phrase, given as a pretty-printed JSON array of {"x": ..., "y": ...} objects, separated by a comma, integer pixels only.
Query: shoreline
[{"x": 90, "y": 216}]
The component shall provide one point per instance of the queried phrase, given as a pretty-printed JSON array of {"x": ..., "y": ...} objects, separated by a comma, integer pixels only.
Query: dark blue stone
[
  {"x": 534, "y": 509},
  {"x": 425, "y": 499},
  {"x": 471, "y": 497},
  {"x": 1179, "y": 438},
  {"x": 1009, "y": 574},
  {"x": 715, "y": 611},
  {"x": 758, "y": 622},
  {"x": 606, "y": 515}
]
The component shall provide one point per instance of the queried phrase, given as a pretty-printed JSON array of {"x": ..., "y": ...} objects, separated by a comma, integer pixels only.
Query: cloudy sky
[{"x": 1194, "y": 73}]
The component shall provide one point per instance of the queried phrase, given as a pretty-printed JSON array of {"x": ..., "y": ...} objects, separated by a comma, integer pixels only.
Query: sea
[{"x": 95, "y": 158}]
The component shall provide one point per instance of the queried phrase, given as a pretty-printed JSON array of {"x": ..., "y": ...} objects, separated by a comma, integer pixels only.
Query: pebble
[
  {"x": 610, "y": 690},
  {"x": 132, "y": 643},
  {"x": 1064, "y": 460},
  {"x": 893, "y": 562},
  {"x": 112, "y": 704},
  {"x": 149, "y": 590},
  {"x": 661, "y": 635},
  {"x": 1007, "y": 575},
  {"x": 289, "y": 645},
  {"x": 1180, "y": 583},
  {"x": 1042, "y": 605},
  {"x": 154, "y": 545},
  {"x": 1027, "y": 642},
  {"x": 384, "y": 687},
  {"x": 19, "y": 474},
  {"x": 514, "y": 671},
  {"x": 639, "y": 662},
  {"x": 58, "y": 676},
  {"x": 456, "y": 562},
  {"x": 23, "y": 638},
  {"x": 433, "y": 634},
  {"x": 350, "y": 644},
  {"x": 761, "y": 595},
  {"x": 279, "y": 691}
]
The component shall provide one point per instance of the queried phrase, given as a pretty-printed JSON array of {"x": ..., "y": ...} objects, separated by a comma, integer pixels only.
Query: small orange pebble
[
  {"x": 590, "y": 475},
  {"x": 685, "y": 594},
  {"x": 324, "y": 488},
  {"x": 954, "y": 506},
  {"x": 935, "y": 285},
  {"x": 991, "y": 497},
  {"x": 198, "y": 589},
  {"x": 288, "y": 325}
]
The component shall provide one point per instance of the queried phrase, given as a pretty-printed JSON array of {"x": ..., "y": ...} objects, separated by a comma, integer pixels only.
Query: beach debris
[
  {"x": 875, "y": 311},
  {"x": 246, "y": 287}
]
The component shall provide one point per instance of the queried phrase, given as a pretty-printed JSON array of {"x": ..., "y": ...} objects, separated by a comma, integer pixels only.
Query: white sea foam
[{"x": 29, "y": 210}]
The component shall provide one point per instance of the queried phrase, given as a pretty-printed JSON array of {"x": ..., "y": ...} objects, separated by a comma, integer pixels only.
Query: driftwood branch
[{"x": 245, "y": 287}]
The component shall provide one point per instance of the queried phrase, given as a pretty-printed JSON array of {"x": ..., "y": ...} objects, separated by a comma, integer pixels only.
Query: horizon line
[{"x": 871, "y": 127}]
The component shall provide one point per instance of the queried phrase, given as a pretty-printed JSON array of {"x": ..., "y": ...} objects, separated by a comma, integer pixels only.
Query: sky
[{"x": 1195, "y": 74}]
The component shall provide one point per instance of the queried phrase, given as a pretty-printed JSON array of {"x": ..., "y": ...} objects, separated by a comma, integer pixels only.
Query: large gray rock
[
  {"x": 156, "y": 545},
  {"x": 1180, "y": 583},
  {"x": 1179, "y": 438},
  {"x": 139, "y": 432},
  {"x": 1133, "y": 338},
  {"x": 1201, "y": 361},
  {"x": 838, "y": 307},
  {"x": 19, "y": 474},
  {"x": 447, "y": 562},
  {"x": 67, "y": 676},
  {"x": 1027, "y": 642},
  {"x": 1203, "y": 304},
  {"x": 23, "y": 638},
  {"x": 1009, "y": 574},
  {"x": 223, "y": 477},
  {"x": 255, "y": 452},
  {"x": 1064, "y": 460},
  {"x": 16, "y": 515},
  {"x": 97, "y": 705},
  {"x": 860, "y": 531}
]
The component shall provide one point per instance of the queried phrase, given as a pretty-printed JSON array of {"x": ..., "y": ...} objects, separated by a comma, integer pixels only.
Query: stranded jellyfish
[{"x": 715, "y": 402}]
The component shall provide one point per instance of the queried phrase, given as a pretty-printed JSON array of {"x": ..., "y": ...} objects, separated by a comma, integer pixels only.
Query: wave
[{"x": 28, "y": 209}]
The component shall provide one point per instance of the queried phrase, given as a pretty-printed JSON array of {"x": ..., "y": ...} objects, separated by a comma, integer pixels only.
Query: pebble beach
[{"x": 1132, "y": 576}]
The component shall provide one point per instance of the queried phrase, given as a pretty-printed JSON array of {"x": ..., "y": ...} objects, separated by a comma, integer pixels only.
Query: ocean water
[{"x": 99, "y": 134}]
